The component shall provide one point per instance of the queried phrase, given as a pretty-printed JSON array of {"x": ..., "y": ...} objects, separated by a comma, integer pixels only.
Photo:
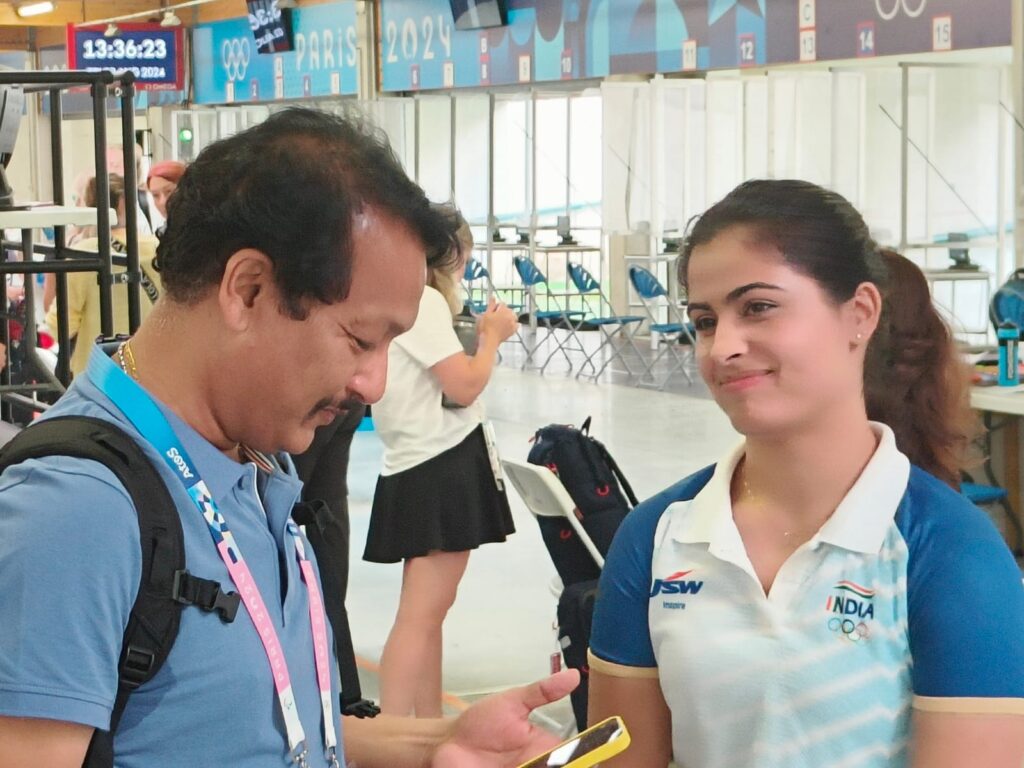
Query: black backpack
[
  {"x": 166, "y": 586},
  {"x": 575, "y": 616},
  {"x": 597, "y": 486}
]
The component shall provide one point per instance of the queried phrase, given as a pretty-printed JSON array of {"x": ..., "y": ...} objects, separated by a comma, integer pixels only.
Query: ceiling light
[
  {"x": 170, "y": 19},
  {"x": 112, "y": 30},
  {"x": 34, "y": 9}
]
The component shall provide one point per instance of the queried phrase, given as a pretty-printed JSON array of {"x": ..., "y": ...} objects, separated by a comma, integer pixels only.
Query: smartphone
[{"x": 597, "y": 743}]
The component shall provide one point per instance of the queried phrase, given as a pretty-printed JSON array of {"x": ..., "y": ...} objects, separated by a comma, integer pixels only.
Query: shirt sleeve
[
  {"x": 965, "y": 613},
  {"x": 432, "y": 337},
  {"x": 70, "y": 565},
  {"x": 78, "y": 293},
  {"x": 620, "y": 640}
]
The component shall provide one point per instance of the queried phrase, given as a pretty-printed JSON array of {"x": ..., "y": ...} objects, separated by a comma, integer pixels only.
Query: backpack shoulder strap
[
  {"x": 165, "y": 586},
  {"x": 619, "y": 475}
]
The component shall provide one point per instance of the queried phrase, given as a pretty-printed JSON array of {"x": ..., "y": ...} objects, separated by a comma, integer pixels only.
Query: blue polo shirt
[
  {"x": 906, "y": 598},
  {"x": 70, "y": 566}
]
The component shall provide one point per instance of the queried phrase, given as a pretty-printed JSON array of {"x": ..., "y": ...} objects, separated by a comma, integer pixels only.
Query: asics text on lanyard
[{"x": 140, "y": 409}]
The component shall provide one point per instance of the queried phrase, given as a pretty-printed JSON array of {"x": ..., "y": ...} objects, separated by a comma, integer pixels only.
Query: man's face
[{"x": 303, "y": 373}]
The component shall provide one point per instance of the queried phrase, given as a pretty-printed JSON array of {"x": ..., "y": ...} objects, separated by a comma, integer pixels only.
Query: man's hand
[{"x": 496, "y": 732}]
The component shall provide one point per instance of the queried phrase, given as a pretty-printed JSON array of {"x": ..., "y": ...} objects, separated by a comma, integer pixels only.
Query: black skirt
[{"x": 449, "y": 503}]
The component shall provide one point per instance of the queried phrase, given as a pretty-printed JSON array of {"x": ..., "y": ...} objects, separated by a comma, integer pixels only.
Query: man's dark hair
[{"x": 290, "y": 187}]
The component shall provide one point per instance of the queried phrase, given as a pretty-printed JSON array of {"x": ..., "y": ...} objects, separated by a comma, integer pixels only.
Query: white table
[
  {"x": 1008, "y": 400},
  {"x": 28, "y": 219},
  {"x": 40, "y": 216}
]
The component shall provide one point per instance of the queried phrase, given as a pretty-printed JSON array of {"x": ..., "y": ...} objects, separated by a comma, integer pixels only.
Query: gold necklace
[
  {"x": 752, "y": 498},
  {"x": 127, "y": 360}
]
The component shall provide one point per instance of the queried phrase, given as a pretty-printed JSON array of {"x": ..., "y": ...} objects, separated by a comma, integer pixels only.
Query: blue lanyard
[{"x": 140, "y": 409}]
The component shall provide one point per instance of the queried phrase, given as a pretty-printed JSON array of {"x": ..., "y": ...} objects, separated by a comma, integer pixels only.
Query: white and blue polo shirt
[{"x": 907, "y": 597}]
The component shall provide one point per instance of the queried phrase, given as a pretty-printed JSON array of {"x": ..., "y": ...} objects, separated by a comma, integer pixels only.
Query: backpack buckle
[
  {"x": 205, "y": 594},
  {"x": 136, "y": 666}
]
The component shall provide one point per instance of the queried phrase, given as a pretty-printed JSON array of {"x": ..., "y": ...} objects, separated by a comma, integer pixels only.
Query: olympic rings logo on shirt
[
  {"x": 896, "y": 4},
  {"x": 854, "y": 631},
  {"x": 234, "y": 54}
]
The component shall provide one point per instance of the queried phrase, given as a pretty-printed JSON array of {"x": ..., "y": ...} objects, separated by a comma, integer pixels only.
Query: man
[{"x": 294, "y": 254}]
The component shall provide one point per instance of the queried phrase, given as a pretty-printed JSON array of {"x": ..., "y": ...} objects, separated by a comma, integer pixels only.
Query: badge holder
[{"x": 492, "y": 455}]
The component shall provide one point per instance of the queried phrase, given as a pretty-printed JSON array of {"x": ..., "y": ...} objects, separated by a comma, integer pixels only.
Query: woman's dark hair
[
  {"x": 116, "y": 186},
  {"x": 914, "y": 380},
  {"x": 291, "y": 187},
  {"x": 816, "y": 231}
]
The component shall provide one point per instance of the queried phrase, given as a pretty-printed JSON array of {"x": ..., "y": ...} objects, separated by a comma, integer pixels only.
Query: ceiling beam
[
  {"x": 82, "y": 11},
  {"x": 71, "y": 12},
  {"x": 49, "y": 30}
]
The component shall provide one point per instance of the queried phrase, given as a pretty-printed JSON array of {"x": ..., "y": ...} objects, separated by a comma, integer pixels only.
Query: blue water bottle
[{"x": 1008, "y": 335}]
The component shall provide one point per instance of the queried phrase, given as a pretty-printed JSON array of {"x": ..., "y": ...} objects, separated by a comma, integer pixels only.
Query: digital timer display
[{"x": 151, "y": 52}]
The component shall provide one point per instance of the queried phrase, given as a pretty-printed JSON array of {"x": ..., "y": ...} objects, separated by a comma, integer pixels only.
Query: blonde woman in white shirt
[{"x": 437, "y": 496}]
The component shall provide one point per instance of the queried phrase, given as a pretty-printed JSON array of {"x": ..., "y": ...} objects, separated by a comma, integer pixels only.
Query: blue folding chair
[
  {"x": 568, "y": 320},
  {"x": 601, "y": 316},
  {"x": 677, "y": 329},
  {"x": 479, "y": 288}
]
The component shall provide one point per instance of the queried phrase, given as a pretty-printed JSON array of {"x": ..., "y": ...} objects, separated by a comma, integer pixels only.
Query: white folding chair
[{"x": 545, "y": 496}]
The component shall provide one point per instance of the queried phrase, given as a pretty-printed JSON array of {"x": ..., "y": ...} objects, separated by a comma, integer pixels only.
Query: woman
[
  {"x": 440, "y": 493},
  {"x": 161, "y": 182},
  {"x": 812, "y": 599},
  {"x": 83, "y": 293}
]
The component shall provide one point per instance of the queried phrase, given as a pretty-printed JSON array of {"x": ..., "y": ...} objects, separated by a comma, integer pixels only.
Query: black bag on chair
[
  {"x": 597, "y": 486},
  {"x": 575, "y": 615}
]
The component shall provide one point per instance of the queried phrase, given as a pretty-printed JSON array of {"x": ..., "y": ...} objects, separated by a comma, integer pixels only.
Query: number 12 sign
[{"x": 154, "y": 54}]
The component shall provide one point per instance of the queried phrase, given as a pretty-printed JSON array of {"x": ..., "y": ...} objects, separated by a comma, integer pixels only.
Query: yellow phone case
[{"x": 603, "y": 752}]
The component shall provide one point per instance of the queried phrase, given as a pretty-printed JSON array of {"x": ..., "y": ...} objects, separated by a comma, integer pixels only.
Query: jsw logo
[
  {"x": 179, "y": 462},
  {"x": 676, "y": 585}
]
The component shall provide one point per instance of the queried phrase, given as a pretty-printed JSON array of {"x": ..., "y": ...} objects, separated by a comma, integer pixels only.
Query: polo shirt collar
[
  {"x": 708, "y": 520},
  {"x": 859, "y": 523},
  {"x": 220, "y": 473},
  {"x": 863, "y": 517}
]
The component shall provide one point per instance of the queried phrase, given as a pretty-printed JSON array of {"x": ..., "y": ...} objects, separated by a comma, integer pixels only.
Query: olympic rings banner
[
  {"x": 227, "y": 68},
  {"x": 549, "y": 40}
]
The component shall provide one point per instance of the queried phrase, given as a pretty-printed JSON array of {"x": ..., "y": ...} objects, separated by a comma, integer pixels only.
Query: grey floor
[{"x": 500, "y": 631}]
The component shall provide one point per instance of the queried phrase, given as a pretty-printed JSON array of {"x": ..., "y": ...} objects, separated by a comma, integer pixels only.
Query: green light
[{"x": 185, "y": 135}]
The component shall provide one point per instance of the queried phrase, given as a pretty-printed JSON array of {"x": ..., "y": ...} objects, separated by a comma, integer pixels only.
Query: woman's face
[
  {"x": 161, "y": 189},
  {"x": 775, "y": 350}
]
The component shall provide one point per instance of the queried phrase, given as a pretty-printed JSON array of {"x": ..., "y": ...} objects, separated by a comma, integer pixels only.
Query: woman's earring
[{"x": 860, "y": 336}]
